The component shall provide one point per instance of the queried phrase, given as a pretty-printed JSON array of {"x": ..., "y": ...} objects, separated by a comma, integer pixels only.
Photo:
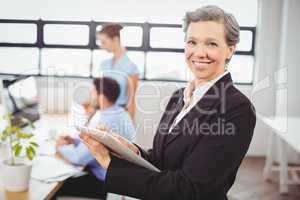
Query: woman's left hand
[{"x": 100, "y": 152}]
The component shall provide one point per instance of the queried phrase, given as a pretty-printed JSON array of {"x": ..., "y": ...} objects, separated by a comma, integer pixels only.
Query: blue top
[
  {"x": 115, "y": 118},
  {"x": 119, "y": 71}
]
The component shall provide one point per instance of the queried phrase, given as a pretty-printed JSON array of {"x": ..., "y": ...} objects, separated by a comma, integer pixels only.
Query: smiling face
[{"x": 206, "y": 49}]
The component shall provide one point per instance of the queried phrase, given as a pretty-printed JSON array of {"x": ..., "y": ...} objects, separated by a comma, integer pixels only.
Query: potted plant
[{"x": 16, "y": 170}]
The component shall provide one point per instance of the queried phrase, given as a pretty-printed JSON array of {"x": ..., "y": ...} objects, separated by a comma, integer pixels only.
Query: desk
[
  {"x": 40, "y": 190},
  {"x": 37, "y": 191},
  {"x": 284, "y": 131}
]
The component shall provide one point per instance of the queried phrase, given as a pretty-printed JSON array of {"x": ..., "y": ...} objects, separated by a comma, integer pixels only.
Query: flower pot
[{"x": 16, "y": 177}]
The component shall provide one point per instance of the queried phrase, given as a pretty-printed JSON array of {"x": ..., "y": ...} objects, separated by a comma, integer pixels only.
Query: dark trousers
[{"x": 87, "y": 186}]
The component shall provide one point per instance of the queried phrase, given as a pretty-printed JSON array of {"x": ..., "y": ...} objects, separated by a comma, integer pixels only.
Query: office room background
[{"x": 54, "y": 40}]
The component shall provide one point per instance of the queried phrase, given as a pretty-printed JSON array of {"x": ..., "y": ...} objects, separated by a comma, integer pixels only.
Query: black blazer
[{"x": 200, "y": 157}]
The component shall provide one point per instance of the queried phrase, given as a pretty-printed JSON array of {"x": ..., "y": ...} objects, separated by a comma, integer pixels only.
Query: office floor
[{"x": 250, "y": 185}]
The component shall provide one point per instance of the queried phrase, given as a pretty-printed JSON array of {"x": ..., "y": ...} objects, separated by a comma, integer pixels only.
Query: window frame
[{"x": 145, "y": 46}]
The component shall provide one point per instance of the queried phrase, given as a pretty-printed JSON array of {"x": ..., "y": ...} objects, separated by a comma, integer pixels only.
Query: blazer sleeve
[{"x": 204, "y": 171}]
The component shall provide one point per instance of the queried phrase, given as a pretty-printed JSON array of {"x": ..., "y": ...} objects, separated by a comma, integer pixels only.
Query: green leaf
[
  {"x": 14, "y": 134},
  {"x": 32, "y": 149},
  {"x": 34, "y": 144},
  {"x": 29, "y": 153},
  {"x": 17, "y": 149},
  {"x": 21, "y": 135}
]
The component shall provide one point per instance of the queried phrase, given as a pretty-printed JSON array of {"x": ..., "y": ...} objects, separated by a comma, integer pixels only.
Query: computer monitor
[{"x": 20, "y": 97}]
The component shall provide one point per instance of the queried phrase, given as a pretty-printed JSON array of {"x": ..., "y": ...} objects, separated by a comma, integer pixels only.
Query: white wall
[
  {"x": 277, "y": 54},
  {"x": 266, "y": 62},
  {"x": 291, "y": 60},
  {"x": 116, "y": 10},
  {"x": 292, "y": 56}
]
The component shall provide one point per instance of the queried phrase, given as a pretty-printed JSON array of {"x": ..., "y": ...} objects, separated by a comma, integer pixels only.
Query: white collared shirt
[{"x": 191, "y": 96}]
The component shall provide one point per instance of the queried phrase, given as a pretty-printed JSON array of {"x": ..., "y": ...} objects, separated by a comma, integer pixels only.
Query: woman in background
[{"x": 119, "y": 67}]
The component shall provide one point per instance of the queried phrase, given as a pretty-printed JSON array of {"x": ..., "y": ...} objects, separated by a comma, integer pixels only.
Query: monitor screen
[
  {"x": 24, "y": 93},
  {"x": 20, "y": 97}
]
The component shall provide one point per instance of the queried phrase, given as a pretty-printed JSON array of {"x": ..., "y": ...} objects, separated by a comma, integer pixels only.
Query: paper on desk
[{"x": 51, "y": 169}]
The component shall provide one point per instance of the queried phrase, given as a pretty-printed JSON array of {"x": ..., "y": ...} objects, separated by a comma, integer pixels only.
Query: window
[
  {"x": 167, "y": 66},
  {"x": 64, "y": 62},
  {"x": 166, "y": 37},
  {"x": 66, "y": 50},
  {"x": 241, "y": 68},
  {"x": 245, "y": 43},
  {"x": 149, "y": 29},
  {"x": 18, "y": 33},
  {"x": 66, "y": 34},
  {"x": 131, "y": 36},
  {"x": 14, "y": 60}
]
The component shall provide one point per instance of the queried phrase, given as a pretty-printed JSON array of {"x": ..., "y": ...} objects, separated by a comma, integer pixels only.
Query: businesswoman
[
  {"x": 205, "y": 130},
  {"x": 119, "y": 67}
]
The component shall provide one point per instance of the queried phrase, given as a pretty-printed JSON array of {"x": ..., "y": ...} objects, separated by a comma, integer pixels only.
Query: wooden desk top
[{"x": 37, "y": 191}]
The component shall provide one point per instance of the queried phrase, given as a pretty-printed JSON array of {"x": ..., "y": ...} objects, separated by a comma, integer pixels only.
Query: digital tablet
[{"x": 114, "y": 145}]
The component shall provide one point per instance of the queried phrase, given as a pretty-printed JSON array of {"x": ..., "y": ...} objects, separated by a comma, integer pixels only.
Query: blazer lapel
[
  {"x": 165, "y": 124},
  {"x": 204, "y": 107}
]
